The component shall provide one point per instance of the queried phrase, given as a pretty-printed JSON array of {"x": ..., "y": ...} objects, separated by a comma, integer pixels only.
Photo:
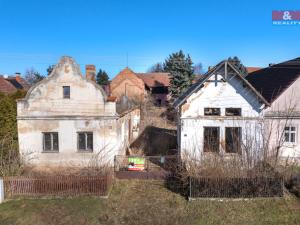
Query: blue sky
[{"x": 35, "y": 33}]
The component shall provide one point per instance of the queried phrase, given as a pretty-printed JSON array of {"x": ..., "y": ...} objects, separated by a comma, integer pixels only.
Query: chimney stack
[
  {"x": 90, "y": 72},
  {"x": 18, "y": 76}
]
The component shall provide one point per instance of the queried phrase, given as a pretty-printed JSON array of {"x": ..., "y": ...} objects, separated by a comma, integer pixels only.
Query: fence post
[{"x": 1, "y": 190}]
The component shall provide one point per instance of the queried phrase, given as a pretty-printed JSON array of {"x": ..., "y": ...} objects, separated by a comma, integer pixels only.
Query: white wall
[
  {"x": 45, "y": 110},
  {"x": 222, "y": 95}
]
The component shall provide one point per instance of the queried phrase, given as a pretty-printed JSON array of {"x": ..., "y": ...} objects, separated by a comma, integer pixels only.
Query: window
[
  {"x": 50, "y": 141},
  {"x": 290, "y": 134},
  {"x": 211, "y": 139},
  {"x": 233, "y": 139},
  {"x": 212, "y": 111},
  {"x": 66, "y": 91},
  {"x": 233, "y": 112},
  {"x": 85, "y": 141}
]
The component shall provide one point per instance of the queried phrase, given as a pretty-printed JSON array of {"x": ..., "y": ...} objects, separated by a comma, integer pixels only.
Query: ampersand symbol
[{"x": 286, "y": 15}]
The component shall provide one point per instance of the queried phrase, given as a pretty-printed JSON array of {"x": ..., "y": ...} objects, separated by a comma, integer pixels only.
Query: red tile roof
[
  {"x": 6, "y": 87},
  {"x": 251, "y": 69},
  {"x": 155, "y": 79}
]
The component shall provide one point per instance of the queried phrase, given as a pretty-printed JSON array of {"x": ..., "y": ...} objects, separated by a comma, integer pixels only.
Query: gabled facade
[
  {"x": 67, "y": 120},
  {"x": 128, "y": 84},
  {"x": 217, "y": 114},
  {"x": 228, "y": 114}
]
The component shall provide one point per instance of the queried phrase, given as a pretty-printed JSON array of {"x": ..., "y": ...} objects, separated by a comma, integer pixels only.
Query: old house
[
  {"x": 128, "y": 84},
  {"x": 67, "y": 120},
  {"x": 157, "y": 86},
  {"x": 226, "y": 113}
]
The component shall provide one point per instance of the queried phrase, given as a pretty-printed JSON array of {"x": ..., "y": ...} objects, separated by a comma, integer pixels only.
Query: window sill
[
  {"x": 84, "y": 151},
  {"x": 50, "y": 151}
]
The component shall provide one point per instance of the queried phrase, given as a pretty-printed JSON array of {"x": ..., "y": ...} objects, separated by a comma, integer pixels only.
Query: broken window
[
  {"x": 66, "y": 91},
  {"x": 233, "y": 139},
  {"x": 233, "y": 111},
  {"x": 211, "y": 139},
  {"x": 290, "y": 134},
  {"x": 212, "y": 111},
  {"x": 50, "y": 141},
  {"x": 85, "y": 141}
]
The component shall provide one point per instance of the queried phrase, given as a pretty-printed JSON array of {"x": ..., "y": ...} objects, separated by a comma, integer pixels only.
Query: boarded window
[
  {"x": 50, "y": 141},
  {"x": 85, "y": 141},
  {"x": 212, "y": 111},
  {"x": 290, "y": 134},
  {"x": 233, "y": 111},
  {"x": 66, "y": 91},
  {"x": 233, "y": 139},
  {"x": 211, "y": 139}
]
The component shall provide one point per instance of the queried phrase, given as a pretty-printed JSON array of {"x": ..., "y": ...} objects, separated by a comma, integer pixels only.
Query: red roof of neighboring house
[
  {"x": 6, "y": 87},
  {"x": 18, "y": 82},
  {"x": 251, "y": 69},
  {"x": 155, "y": 79}
]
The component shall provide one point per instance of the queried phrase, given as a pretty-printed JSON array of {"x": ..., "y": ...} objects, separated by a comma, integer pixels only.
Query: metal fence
[
  {"x": 245, "y": 187},
  {"x": 145, "y": 167},
  {"x": 57, "y": 186}
]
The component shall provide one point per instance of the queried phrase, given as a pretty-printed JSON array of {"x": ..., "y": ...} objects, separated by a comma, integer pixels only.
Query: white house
[
  {"x": 67, "y": 120},
  {"x": 226, "y": 113}
]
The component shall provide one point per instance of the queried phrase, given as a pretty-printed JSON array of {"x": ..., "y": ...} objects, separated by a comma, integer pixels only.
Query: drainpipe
[{"x": 1, "y": 190}]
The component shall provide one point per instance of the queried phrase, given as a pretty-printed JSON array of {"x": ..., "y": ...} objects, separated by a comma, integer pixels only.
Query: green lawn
[{"x": 148, "y": 202}]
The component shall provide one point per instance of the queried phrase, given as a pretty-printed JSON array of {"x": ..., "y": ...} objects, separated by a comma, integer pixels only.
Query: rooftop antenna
[{"x": 127, "y": 59}]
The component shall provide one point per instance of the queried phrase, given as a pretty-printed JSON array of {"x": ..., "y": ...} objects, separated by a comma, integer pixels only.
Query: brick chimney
[
  {"x": 18, "y": 76},
  {"x": 90, "y": 72}
]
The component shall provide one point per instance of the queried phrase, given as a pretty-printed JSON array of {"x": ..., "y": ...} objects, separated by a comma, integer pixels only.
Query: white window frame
[
  {"x": 86, "y": 141},
  {"x": 289, "y": 133},
  {"x": 51, "y": 140}
]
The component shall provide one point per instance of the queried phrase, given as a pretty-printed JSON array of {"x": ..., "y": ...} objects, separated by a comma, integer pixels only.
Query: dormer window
[{"x": 66, "y": 91}]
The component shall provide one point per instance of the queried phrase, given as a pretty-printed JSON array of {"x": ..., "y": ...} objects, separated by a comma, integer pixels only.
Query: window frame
[
  {"x": 239, "y": 149},
  {"x": 290, "y": 132},
  {"x": 217, "y": 142},
  {"x": 66, "y": 96},
  {"x": 86, "y": 149},
  {"x": 51, "y": 141},
  {"x": 239, "y": 109},
  {"x": 213, "y": 108}
]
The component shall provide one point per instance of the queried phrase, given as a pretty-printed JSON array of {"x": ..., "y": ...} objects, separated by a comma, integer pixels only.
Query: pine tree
[
  {"x": 181, "y": 72},
  {"x": 102, "y": 77}
]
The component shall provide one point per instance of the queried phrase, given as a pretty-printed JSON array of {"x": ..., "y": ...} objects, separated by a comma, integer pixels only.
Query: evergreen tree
[
  {"x": 236, "y": 62},
  {"x": 102, "y": 77},
  {"x": 50, "y": 69},
  {"x": 181, "y": 72}
]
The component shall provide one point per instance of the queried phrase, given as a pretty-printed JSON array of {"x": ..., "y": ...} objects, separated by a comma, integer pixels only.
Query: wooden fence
[
  {"x": 245, "y": 187},
  {"x": 57, "y": 186}
]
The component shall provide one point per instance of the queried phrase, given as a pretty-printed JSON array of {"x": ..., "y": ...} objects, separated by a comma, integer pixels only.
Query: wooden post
[{"x": 1, "y": 190}]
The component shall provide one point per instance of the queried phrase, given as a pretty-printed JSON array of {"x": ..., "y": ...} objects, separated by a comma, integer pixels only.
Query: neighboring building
[
  {"x": 11, "y": 84},
  {"x": 226, "y": 113},
  {"x": 280, "y": 85},
  {"x": 252, "y": 69},
  {"x": 67, "y": 120},
  {"x": 157, "y": 85},
  {"x": 128, "y": 84}
]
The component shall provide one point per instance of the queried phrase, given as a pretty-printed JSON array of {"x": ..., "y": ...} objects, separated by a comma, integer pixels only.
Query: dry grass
[{"x": 148, "y": 202}]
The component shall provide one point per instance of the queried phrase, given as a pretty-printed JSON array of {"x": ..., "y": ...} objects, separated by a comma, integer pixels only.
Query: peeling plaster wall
[
  {"x": 45, "y": 110},
  {"x": 217, "y": 94}
]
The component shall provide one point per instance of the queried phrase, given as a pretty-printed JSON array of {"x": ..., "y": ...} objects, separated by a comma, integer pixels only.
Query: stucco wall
[
  {"x": 218, "y": 94},
  {"x": 45, "y": 110},
  {"x": 286, "y": 103}
]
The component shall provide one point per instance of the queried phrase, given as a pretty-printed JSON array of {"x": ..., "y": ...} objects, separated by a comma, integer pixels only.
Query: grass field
[{"x": 149, "y": 202}]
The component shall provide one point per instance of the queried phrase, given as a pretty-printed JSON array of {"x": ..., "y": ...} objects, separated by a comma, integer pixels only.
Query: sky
[{"x": 115, "y": 34}]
